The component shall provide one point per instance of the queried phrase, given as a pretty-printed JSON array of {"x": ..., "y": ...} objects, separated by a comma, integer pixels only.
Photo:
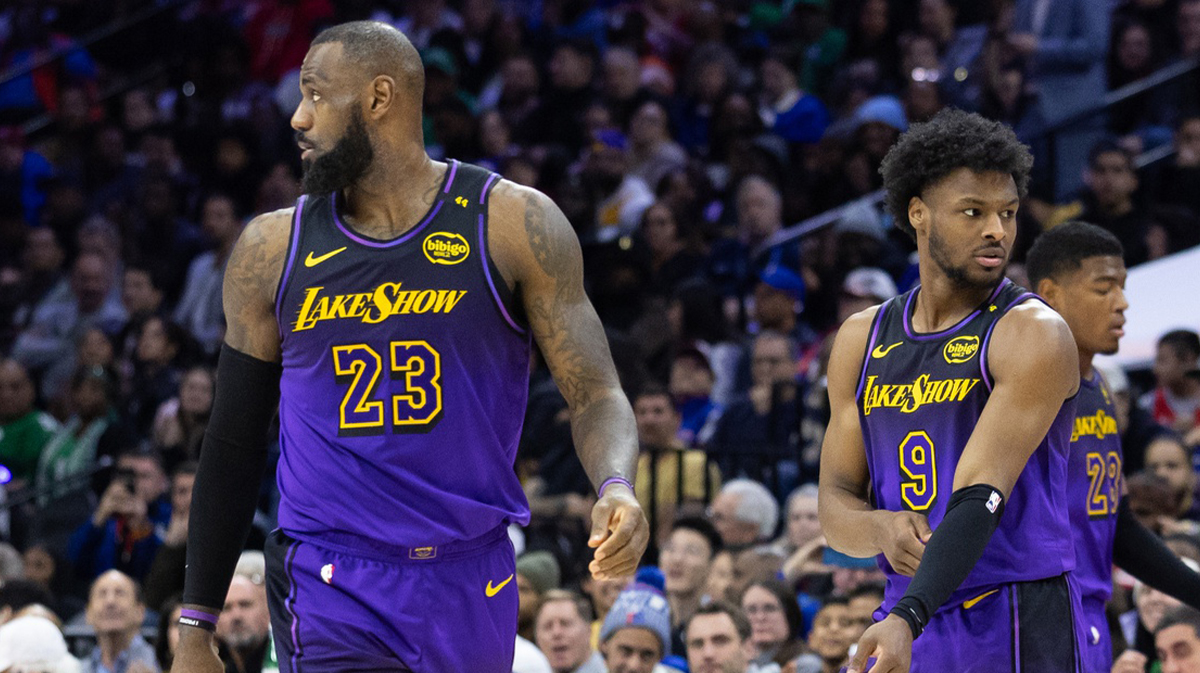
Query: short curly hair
[
  {"x": 953, "y": 139},
  {"x": 1062, "y": 250}
]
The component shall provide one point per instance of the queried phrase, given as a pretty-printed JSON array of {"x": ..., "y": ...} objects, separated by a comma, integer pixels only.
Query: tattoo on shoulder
[
  {"x": 251, "y": 279},
  {"x": 256, "y": 259},
  {"x": 564, "y": 324},
  {"x": 537, "y": 231}
]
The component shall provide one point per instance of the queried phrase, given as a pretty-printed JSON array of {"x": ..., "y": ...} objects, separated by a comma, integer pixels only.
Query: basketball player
[
  {"x": 1079, "y": 269},
  {"x": 951, "y": 411},
  {"x": 390, "y": 313}
]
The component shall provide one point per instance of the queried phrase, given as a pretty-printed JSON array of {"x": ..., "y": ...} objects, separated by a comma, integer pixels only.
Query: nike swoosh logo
[
  {"x": 880, "y": 351},
  {"x": 967, "y": 605},
  {"x": 313, "y": 261},
  {"x": 493, "y": 590}
]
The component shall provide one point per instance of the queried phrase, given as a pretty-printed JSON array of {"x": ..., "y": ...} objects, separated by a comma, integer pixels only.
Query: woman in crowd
[
  {"x": 775, "y": 622},
  {"x": 180, "y": 422}
]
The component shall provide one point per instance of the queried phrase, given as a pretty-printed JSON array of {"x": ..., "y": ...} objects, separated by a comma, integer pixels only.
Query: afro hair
[{"x": 953, "y": 139}]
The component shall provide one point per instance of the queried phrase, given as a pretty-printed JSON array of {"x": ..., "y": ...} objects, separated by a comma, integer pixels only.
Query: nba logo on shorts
[
  {"x": 327, "y": 573},
  {"x": 993, "y": 502}
]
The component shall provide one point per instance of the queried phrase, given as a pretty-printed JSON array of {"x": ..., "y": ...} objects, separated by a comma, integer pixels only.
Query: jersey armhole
[
  {"x": 862, "y": 378},
  {"x": 290, "y": 257},
  {"x": 504, "y": 299},
  {"x": 984, "y": 370}
]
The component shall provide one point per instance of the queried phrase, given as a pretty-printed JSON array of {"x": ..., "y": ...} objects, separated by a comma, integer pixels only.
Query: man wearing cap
[
  {"x": 778, "y": 299},
  {"x": 537, "y": 573},
  {"x": 758, "y": 427},
  {"x": 34, "y": 644},
  {"x": 621, "y": 196},
  {"x": 861, "y": 240},
  {"x": 690, "y": 385},
  {"x": 862, "y": 289},
  {"x": 637, "y": 630}
]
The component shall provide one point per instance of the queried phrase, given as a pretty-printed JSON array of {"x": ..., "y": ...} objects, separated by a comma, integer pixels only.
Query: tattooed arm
[
  {"x": 538, "y": 253},
  {"x": 234, "y": 450},
  {"x": 251, "y": 279}
]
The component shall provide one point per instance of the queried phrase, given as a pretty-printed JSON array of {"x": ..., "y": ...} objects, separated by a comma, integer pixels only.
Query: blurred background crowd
[{"x": 684, "y": 140}]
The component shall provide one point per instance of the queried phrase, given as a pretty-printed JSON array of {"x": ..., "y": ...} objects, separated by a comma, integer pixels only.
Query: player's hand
[
  {"x": 890, "y": 642},
  {"x": 619, "y": 535},
  {"x": 197, "y": 652},
  {"x": 903, "y": 536},
  {"x": 1130, "y": 661}
]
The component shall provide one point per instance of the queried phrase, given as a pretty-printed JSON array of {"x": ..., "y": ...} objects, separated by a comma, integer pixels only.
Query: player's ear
[
  {"x": 382, "y": 95},
  {"x": 918, "y": 214},
  {"x": 1049, "y": 290}
]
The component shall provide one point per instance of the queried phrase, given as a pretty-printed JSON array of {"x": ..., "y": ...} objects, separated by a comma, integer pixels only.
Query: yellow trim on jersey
[
  {"x": 918, "y": 489},
  {"x": 357, "y": 367}
]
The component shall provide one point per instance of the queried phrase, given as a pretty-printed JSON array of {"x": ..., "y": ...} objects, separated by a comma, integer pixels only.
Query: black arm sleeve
[
  {"x": 232, "y": 460},
  {"x": 1144, "y": 555},
  {"x": 956, "y": 546}
]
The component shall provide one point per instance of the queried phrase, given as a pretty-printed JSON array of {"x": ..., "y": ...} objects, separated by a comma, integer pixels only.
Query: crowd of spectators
[{"x": 680, "y": 138}]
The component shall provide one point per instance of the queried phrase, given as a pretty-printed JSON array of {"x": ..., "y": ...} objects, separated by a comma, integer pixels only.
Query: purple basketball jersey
[
  {"x": 1095, "y": 488},
  {"x": 919, "y": 398},
  {"x": 404, "y": 381}
]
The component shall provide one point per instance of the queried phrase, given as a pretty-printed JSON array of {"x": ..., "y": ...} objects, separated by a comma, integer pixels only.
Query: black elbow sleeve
[{"x": 232, "y": 459}]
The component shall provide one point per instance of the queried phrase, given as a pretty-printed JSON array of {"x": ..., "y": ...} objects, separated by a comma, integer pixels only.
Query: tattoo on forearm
[
  {"x": 609, "y": 447},
  {"x": 566, "y": 326},
  {"x": 570, "y": 334}
]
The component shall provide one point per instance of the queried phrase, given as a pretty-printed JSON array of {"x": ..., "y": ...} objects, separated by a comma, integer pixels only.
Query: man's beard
[
  {"x": 940, "y": 253},
  {"x": 344, "y": 164},
  {"x": 244, "y": 639}
]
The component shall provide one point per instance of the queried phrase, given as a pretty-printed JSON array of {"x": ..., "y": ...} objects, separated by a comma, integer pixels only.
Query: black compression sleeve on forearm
[
  {"x": 955, "y": 548},
  {"x": 232, "y": 460},
  {"x": 1143, "y": 554}
]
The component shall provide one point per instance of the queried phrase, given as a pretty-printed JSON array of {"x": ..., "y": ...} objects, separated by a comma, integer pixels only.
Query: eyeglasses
[{"x": 764, "y": 609}]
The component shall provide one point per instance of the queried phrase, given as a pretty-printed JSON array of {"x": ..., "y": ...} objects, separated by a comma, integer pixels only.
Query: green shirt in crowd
[{"x": 22, "y": 441}]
